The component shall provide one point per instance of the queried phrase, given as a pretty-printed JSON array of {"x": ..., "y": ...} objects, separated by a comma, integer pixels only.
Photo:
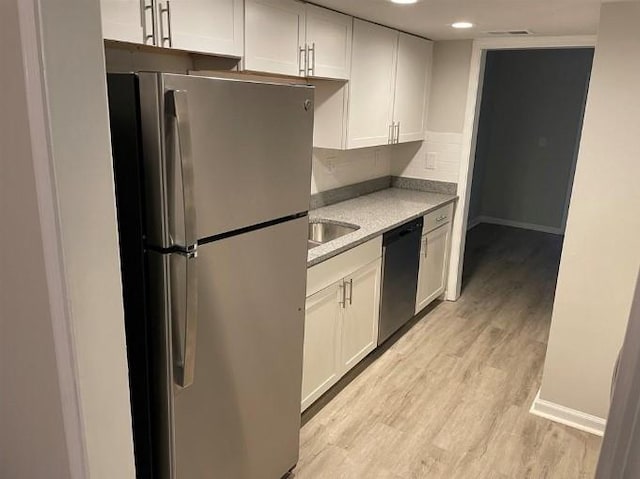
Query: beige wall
[
  {"x": 32, "y": 438},
  {"x": 601, "y": 254},
  {"x": 445, "y": 117},
  {"x": 64, "y": 386},
  {"x": 81, "y": 152},
  {"x": 449, "y": 85}
]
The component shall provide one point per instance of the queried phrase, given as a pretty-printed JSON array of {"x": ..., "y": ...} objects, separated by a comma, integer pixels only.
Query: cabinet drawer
[
  {"x": 438, "y": 217},
  {"x": 334, "y": 269}
]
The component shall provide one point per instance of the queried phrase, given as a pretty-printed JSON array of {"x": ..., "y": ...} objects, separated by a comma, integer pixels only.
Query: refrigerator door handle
[
  {"x": 184, "y": 345},
  {"x": 177, "y": 106}
]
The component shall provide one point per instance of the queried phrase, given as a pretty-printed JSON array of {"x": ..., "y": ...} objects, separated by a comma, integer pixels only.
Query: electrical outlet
[{"x": 431, "y": 160}]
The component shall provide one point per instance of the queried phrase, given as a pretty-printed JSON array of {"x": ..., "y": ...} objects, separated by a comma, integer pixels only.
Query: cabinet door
[
  {"x": 208, "y": 26},
  {"x": 412, "y": 75},
  {"x": 274, "y": 36},
  {"x": 372, "y": 84},
  {"x": 433, "y": 266},
  {"x": 122, "y": 20},
  {"x": 321, "y": 368},
  {"x": 328, "y": 37},
  {"x": 360, "y": 319}
]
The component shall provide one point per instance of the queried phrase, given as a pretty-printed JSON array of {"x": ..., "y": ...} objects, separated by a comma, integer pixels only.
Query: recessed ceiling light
[
  {"x": 462, "y": 25},
  {"x": 404, "y": 2}
]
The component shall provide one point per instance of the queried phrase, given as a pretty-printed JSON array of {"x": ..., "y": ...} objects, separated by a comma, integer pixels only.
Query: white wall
[
  {"x": 81, "y": 151},
  {"x": 445, "y": 118},
  {"x": 69, "y": 135},
  {"x": 530, "y": 119},
  {"x": 336, "y": 168},
  {"x": 601, "y": 253},
  {"x": 32, "y": 436}
]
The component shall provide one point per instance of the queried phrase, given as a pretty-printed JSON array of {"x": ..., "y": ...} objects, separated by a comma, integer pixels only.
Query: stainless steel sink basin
[{"x": 323, "y": 231}]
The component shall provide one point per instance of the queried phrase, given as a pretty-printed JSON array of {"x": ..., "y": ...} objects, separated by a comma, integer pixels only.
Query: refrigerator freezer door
[
  {"x": 249, "y": 145},
  {"x": 240, "y": 417}
]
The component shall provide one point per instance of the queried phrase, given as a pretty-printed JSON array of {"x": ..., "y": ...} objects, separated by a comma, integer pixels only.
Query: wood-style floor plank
[{"x": 449, "y": 396}]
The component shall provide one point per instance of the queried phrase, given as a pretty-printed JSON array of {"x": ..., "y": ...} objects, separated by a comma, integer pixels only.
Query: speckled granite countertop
[{"x": 375, "y": 213}]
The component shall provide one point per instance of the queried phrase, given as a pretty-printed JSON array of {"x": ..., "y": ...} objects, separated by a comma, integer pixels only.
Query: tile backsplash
[{"x": 336, "y": 168}]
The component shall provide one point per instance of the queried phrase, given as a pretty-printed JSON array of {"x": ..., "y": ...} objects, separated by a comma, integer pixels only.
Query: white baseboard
[
  {"x": 515, "y": 224},
  {"x": 567, "y": 416}
]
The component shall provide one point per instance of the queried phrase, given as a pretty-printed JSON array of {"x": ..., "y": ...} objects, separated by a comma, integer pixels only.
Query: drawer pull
[{"x": 441, "y": 218}]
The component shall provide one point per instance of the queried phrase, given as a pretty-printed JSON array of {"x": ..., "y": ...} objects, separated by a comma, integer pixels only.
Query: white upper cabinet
[
  {"x": 411, "y": 88},
  {"x": 372, "y": 85},
  {"x": 208, "y": 26},
  {"x": 288, "y": 37},
  {"x": 385, "y": 100},
  {"x": 274, "y": 38},
  {"x": 328, "y": 43},
  {"x": 123, "y": 20}
]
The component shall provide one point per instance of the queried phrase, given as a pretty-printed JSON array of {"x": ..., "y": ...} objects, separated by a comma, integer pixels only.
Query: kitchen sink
[{"x": 323, "y": 231}]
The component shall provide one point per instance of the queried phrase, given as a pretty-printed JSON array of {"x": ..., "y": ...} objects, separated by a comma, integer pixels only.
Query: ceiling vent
[{"x": 504, "y": 33}]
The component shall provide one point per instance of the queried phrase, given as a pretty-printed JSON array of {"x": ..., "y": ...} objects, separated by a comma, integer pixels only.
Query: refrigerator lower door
[{"x": 240, "y": 418}]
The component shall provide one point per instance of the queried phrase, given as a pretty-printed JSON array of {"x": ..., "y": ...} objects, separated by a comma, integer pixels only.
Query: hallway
[{"x": 450, "y": 398}]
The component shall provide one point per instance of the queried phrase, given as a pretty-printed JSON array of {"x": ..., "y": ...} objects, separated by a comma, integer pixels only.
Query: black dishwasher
[{"x": 401, "y": 251}]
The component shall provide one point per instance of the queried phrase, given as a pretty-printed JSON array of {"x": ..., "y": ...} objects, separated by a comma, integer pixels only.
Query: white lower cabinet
[
  {"x": 321, "y": 342},
  {"x": 434, "y": 254},
  {"x": 341, "y": 318},
  {"x": 360, "y": 314}
]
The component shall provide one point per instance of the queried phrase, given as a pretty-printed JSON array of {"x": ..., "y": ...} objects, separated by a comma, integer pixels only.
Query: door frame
[{"x": 469, "y": 135}]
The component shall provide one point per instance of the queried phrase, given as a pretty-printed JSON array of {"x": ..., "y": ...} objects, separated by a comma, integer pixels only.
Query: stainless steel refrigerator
[{"x": 212, "y": 189}]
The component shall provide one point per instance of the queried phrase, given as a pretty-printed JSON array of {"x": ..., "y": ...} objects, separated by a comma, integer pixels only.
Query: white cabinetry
[
  {"x": 328, "y": 43},
  {"x": 321, "y": 342},
  {"x": 274, "y": 38},
  {"x": 411, "y": 88},
  {"x": 434, "y": 254},
  {"x": 288, "y": 37},
  {"x": 206, "y": 26},
  {"x": 123, "y": 20},
  {"x": 341, "y": 319},
  {"x": 360, "y": 314},
  {"x": 385, "y": 100},
  {"x": 371, "y": 86},
  {"x": 209, "y": 26}
]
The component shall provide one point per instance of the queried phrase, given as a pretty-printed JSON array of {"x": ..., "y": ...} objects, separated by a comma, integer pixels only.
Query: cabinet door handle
[
  {"x": 397, "y": 135},
  {"x": 391, "y": 130},
  {"x": 311, "y": 56},
  {"x": 146, "y": 36},
  {"x": 302, "y": 63},
  {"x": 342, "y": 294},
  {"x": 351, "y": 291},
  {"x": 425, "y": 246},
  {"x": 166, "y": 38}
]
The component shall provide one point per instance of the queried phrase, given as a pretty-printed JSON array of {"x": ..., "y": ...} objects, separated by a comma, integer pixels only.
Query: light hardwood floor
[{"x": 450, "y": 397}]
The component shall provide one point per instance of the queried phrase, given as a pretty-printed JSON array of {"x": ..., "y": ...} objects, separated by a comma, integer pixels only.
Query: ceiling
[{"x": 432, "y": 18}]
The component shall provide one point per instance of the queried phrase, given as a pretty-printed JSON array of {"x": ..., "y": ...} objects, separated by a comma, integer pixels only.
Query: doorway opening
[{"x": 527, "y": 138}]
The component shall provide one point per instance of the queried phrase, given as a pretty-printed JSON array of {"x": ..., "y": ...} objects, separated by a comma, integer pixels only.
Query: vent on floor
[{"x": 510, "y": 32}]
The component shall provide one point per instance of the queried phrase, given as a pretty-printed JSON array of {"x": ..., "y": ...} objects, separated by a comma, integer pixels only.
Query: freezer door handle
[
  {"x": 184, "y": 314},
  {"x": 177, "y": 107}
]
